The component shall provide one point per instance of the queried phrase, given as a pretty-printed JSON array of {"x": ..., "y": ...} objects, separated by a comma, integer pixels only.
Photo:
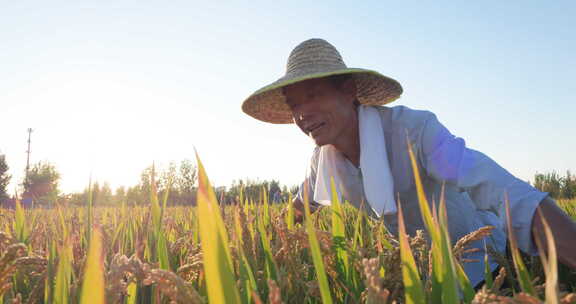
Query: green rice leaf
[
  {"x": 93, "y": 291},
  {"x": 246, "y": 274},
  {"x": 438, "y": 270},
  {"x": 154, "y": 204},
  {"x": 465, "y": 284},
  {"x": 220, "y": 280},
  {"x": 162, "y": 250},
  {"x": 316, "y": 253},
  {"x": 521, "y": 270},
  {"x": 358, "y": 241},
  {"x": 489, "y": 281},
  {"x": 413, "y": 290},
  {"x": 290, "y": 213},
  {"x": 21, "y": 228},
  {"x": 450, "y": 277},
  {"x": 271, "y": 271},
  {"x": 550, "y": 263},
  {"x": 132, "y": 291},
  {"x": 63, "y": 274},
  {"x": 339, "y": 232}
]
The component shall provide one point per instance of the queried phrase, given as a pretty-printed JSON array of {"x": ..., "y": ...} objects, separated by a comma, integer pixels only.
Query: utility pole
[{"x": 26, "y": 184}]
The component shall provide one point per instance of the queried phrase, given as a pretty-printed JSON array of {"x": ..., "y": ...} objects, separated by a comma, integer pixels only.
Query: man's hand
[
  {"x": 563, "y": 229},
  {"x": 299, "y": 209}
]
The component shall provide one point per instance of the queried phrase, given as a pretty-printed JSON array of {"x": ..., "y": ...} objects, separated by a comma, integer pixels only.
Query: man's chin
[{"x": 320, "y": 142}]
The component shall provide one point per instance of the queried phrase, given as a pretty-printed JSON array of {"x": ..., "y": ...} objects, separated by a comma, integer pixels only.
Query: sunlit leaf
[
  {"x": 220, "y": 280},
  {"x": 549, "y": 262},
  {"x": 316, "y": 253},
  {"x": 93, "y": 291},
  {"x": 521, "y": 270},
  {"x": 413, "y": 290}
]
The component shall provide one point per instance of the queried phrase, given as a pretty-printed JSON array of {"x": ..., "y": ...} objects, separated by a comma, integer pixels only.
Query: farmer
[{"x": 363, "y": 145}]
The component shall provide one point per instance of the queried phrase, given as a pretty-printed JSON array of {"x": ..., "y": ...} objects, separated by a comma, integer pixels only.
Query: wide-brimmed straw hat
[{"x": 316, "y": 58}]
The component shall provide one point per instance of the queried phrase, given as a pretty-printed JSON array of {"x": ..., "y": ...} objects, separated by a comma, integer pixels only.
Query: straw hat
[{"x": 316, "y": 58}]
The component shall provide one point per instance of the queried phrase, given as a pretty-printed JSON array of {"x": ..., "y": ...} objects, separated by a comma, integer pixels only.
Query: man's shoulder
[{"x": 404, "y": 116}]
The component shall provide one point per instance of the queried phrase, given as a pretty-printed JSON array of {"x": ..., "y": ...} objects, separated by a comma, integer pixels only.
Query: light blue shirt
[{"x": 475, "y": 185}]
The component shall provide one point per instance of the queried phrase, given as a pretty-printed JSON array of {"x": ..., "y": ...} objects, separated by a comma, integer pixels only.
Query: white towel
[{"x": 377, "y": 178}]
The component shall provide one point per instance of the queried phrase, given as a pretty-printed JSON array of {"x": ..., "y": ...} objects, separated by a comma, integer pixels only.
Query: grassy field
[{"x": 249, "y": 253}]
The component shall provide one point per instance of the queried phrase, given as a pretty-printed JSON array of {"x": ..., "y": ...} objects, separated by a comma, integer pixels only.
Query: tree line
[
  {"x": 559, "y": 187},
  {"x": 41, "y": 187}
]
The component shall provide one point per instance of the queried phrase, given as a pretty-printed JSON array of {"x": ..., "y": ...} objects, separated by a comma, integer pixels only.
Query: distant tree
[
  {"x": 133, "y": 196},
  {"x": 120, "y": 195},
  {"x": 74, "y": 199},
  {"x": 95, "y": 189},
  {"x": 144, "y": 185},
  {"x": 253, "y": 190},
  {"x": 4, "y": 178},
  {"x": 185, "y": 183},
  {"x": 105, "y": 195},
  {"x": 559, "y": 187},
  {"x": 568, "y": 187},
  {"x": 42, "y": 182},
  {"x": 166, "y": 182}
]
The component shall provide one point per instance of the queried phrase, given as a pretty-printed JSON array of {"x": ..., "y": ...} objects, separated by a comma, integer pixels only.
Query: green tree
[
  {"x": 120, "y": 195},
  {"x": 42, "y": 182},
  {"x": 4, "y": 178},
  {"x": 568, "y": 188},
  {"x": 95, "y": 193},
  {"x": 185, "y": 183},
  {"x": 133, "y": 196},
  {"x": 105, "y": 194}
]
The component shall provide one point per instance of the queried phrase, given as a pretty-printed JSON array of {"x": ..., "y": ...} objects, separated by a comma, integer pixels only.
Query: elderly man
[{"x": 363, "y": 145}]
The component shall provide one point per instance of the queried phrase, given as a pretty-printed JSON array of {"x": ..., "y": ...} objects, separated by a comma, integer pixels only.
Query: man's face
[{"x": 321, "y": 110}]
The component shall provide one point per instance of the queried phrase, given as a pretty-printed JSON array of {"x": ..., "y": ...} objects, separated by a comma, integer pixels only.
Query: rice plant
[{"x": 254, "y": 252}]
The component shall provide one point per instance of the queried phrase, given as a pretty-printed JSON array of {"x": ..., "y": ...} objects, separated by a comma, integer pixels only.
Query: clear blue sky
[{"x": 110, "y": 86}]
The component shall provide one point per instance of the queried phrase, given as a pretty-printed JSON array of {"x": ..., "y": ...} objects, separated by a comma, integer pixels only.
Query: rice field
[{"x": 253, "y": 252}]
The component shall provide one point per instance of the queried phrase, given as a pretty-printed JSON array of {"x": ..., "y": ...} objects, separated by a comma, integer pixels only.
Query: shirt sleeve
[
  {"x": 310, "y": 179},
  {"x": 445, "y": 157}
]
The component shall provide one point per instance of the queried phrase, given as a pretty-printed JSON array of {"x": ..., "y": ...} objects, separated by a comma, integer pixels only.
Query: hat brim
[{"x": 269, "y": 103}]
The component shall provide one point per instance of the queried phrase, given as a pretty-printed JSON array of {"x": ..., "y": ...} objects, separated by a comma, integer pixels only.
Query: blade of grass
[
  {"x": 154, "y": 204},
  {"x": 413, "y": 290},
  {"x": 220, "y": 280},
  {"x": 489, "y": 281},
  {"x": 465, "y": 284},
  {"x": 358, "y": 228},
  {"x": 63, "y": 274},
  {"x": 339, "y": 233},
  {"x": 290, "y": 213},
  {"x": 316, "y": 253},
  {"x": 438, "y": 270},
  {"x": 550, "y": 263},
  {"x": 266, "y": 207},
  {"x": 452, "y": 274},
  {"x": 246, "y": 274},
  {"x": 519, "y": 266},
  {"x": 159, "y": 237},
  {"x": 48, "y": 283},
  {"x": 89, "y": 213},
  {"x": 93, "y": 285},
  {"x": 21, "y": 228},
  {"x": 132, "y": 291},
  {"x": 271, "y": 269}
]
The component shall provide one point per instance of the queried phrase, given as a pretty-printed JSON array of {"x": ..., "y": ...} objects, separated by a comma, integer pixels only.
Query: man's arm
[
  {"x": 563, "y": 229},
  {"x": 446, "y": 157}
]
